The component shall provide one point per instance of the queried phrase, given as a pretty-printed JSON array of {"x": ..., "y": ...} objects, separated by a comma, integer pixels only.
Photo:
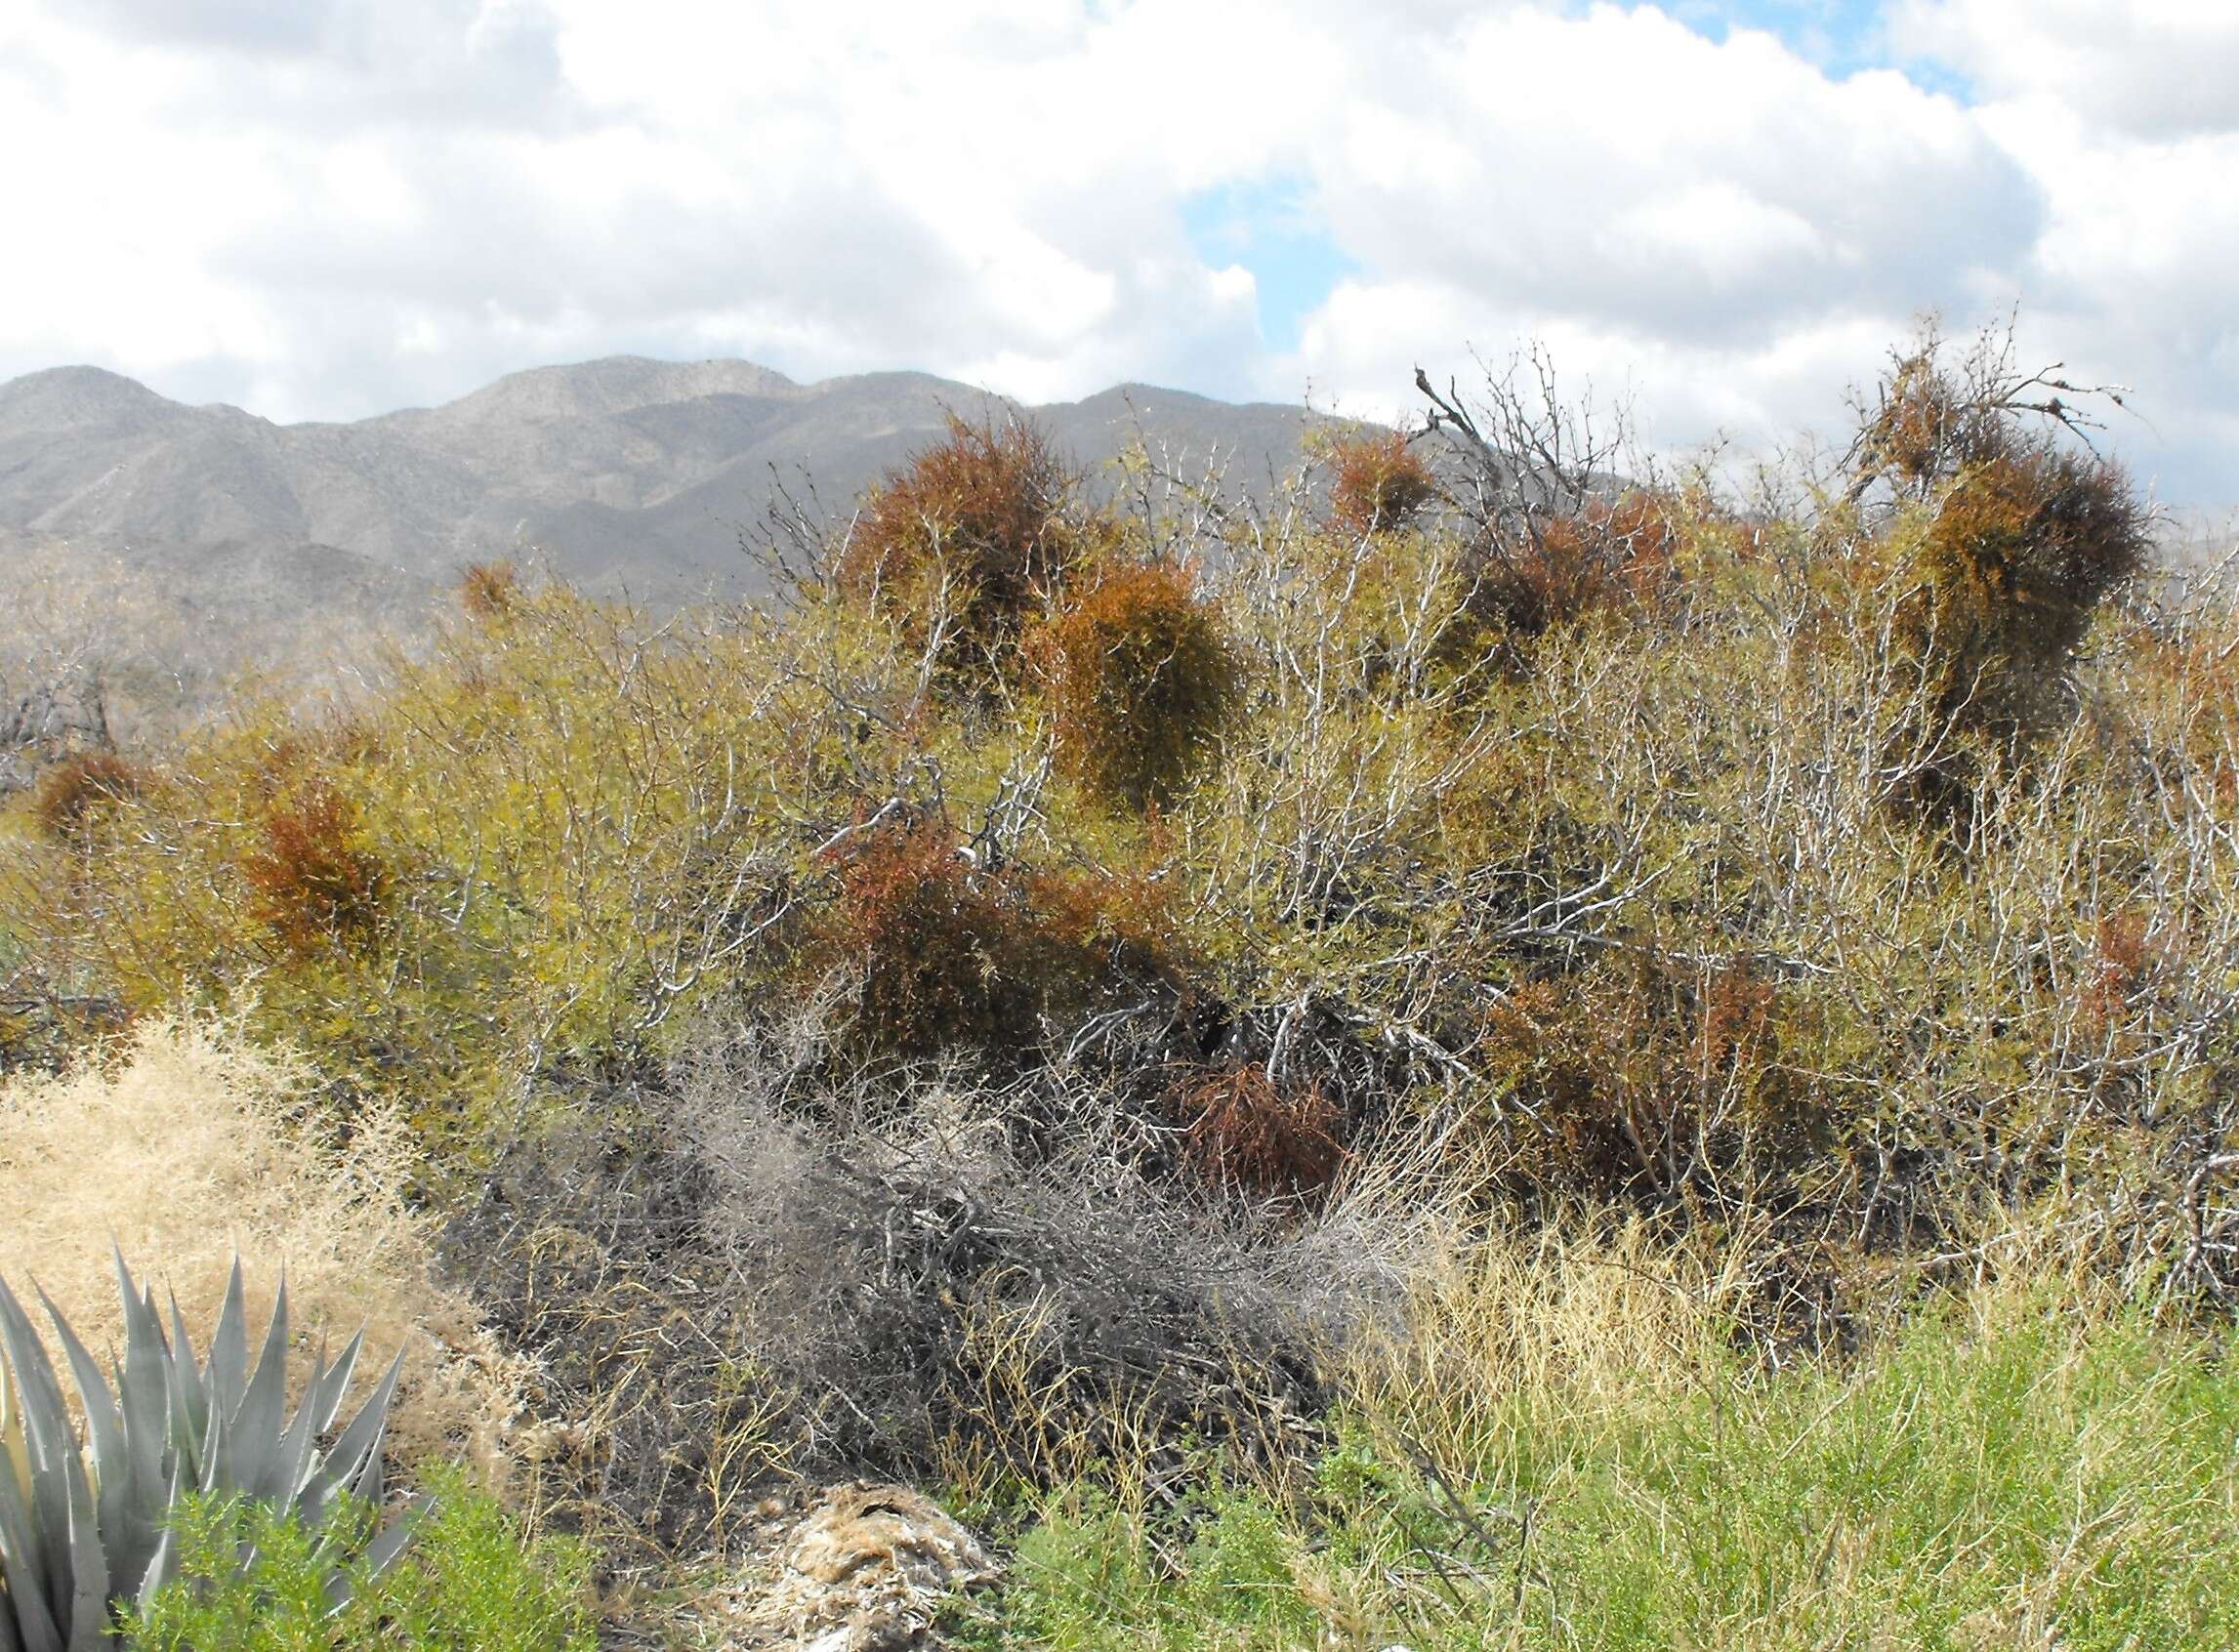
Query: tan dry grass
[
  {"x": 1591, "y": 1305},
  {"x": 190, "y": 1145}
]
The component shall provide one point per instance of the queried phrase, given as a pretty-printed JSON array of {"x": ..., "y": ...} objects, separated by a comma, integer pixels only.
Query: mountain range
[{"x": 625, "y": 475}]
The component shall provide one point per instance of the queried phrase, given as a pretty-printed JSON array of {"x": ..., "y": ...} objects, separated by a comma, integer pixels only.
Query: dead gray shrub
[{"x": 936, "y": 1301}]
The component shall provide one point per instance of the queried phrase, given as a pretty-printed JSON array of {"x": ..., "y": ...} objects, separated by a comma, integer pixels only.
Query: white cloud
[
  {"x": 329, "y": 207},
  {"x": 2153, "y": 68},
  {"x": 2125, "y": 117}
]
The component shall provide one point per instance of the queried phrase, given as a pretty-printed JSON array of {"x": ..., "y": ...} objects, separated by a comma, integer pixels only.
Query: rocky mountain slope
[{"x": 626, "y": 474}]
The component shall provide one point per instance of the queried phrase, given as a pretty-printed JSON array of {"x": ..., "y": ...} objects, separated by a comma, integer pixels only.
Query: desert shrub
[
  {"x": 314, "y": 878},
  {"x": 1637, "y": 909},
  {"x": 1244, "y": 1134},
  {"x": 966, "y": 542},
  {"x": 71, "y": 790},
  {"x": 470, "y": 1579},
  {"x": 1378, "y": 482},
  {"x": 190, "y": 1145},
  {"x": 652, "y": 1429},
  {"x": 1651, "y": 819},
  {"x": 1141, "y": 680},
  {"x": 828, "y": 1273},
  {"x": 537, "y": 844}
]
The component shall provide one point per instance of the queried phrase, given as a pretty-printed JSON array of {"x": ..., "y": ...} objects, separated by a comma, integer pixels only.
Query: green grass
[
  {"x": 467, "y": 1582},
  {"x": 2024, "y": 1480}
]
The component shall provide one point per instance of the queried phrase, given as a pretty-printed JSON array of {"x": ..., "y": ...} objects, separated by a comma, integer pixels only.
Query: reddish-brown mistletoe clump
[
  {"x": 1378, "y": 482},
  {"x": 2023, "y": 547},
  {"x": 2026, "y": 531},
  {"x": 490, "y": 590},
  {"x": 313, "y": 877},
  {"x": 1141, "y": 680},
  {"x": 952, "y": 954},
  {"x": 972, "y": 536},
  {"x": 1243, "y": 1133},
  {"x": 1608, "y": 555},
  {"x": 71, "y": 790}
]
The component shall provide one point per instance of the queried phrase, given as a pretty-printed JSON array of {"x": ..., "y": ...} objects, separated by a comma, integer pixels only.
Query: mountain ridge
[{"x": 624, "y": 473}]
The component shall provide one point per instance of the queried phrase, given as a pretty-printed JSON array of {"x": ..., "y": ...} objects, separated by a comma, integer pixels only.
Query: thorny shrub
[
  {"x": 1141, "y": 682},
  {"x": 1641, "y": 914},
  {"x": 590, "y": 1246},
  {"x": 936, "y": 1298},
  {"x": 780, "y": 1265}
]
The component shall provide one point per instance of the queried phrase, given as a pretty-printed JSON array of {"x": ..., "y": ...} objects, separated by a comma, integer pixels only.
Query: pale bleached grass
[{"x": 186, "y": 1145}]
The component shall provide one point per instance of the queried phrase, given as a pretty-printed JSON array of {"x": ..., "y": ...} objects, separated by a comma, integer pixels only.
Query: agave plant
[{"x": 85, "y": 1524}]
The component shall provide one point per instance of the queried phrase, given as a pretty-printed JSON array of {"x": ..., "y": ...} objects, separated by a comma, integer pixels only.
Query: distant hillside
[{"x": 624, "y": 473}]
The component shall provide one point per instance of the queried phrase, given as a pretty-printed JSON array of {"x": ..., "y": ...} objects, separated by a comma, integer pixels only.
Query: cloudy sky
[{"x": 1725, "y": 209}]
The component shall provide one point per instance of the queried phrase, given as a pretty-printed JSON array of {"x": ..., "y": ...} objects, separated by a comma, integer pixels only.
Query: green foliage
[
  {"x": 1218, "y": 1570},
  {"x": 544, "y": 840},
  {"x": 2029, "y": 1478},
  {"x": 87, "y": 1527},
  {"x": 469, "y": 1582}
]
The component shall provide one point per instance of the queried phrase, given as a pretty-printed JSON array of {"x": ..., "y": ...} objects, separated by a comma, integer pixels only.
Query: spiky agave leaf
[
  {"x": 27, "y": 1624},
  {"x": 56, "y": 1572},
  {"x": 143, "y": 1402},
  {"x": 352, "y": 1463},
  {"x": 111, "y": 1513},
  {"x": 254, "y": 1432},
  {"x": 83, "y": 1526}
]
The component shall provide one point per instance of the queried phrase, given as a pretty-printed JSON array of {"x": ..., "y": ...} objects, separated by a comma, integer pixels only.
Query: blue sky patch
[
  {"x": 1269, "y": 228},
  {"x": 1841, "y": 36}
]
